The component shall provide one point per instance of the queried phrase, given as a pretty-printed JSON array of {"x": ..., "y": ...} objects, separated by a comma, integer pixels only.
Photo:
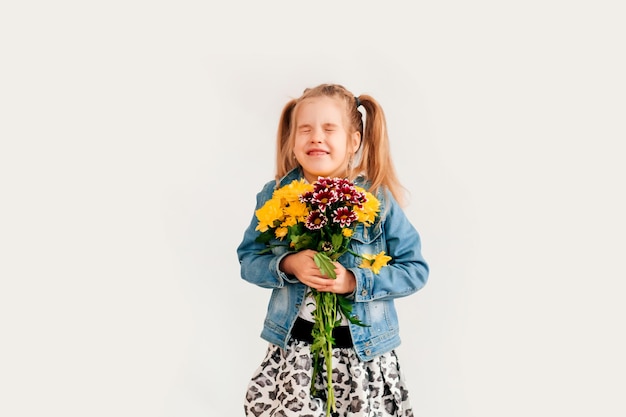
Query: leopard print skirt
[{"x": 281, "y": 387}]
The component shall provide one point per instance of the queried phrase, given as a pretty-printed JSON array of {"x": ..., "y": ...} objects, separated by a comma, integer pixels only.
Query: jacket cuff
[
  {"x": 364, "y": 284},
  {"x": 282, "y": 277}
]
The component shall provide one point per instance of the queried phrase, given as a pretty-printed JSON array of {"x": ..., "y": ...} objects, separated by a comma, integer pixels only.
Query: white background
[{"x": 135, "y": 135}]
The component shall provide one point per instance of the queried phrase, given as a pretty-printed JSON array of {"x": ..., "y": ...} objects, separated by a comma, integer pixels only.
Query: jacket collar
[
  {"x": 294, "y": 174},
  {"x": 297, "y": 173}
]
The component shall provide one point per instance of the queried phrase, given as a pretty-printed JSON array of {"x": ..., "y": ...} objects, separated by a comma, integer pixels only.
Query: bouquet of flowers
[{"x": 321, "y": 216}]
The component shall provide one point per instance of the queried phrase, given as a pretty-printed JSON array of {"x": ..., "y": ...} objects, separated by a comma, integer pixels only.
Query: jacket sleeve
[
  {"x": 257, "y": 268},
  {"x": 406, "y": 273}
]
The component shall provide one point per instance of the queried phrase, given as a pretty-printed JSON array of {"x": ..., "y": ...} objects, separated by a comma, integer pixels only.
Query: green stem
[
  {"x": 331, "y": 317},
  {"x": 325, "y": 315},
  {"x": 358, "y": 255},
  {"x": 330, "y": 404}
]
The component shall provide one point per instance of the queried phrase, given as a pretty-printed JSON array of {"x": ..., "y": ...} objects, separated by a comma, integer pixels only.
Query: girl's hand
[{"x": 302, "y": 265}]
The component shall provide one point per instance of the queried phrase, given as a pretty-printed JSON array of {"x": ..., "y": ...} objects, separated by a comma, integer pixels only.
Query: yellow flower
[
  {"x": 370, "y": 209},
  {"x": 289, "y": 221},
  {"x": 346, "y": 232},
  {"x": 291, "y": 192},
  {"x": 375, "y": 262},
  {"x": 284, "y": 206},
  {"x": 280, "y": 232},
  {"x": 297, "y": 211},
  {"x": 271, "y": 211}
]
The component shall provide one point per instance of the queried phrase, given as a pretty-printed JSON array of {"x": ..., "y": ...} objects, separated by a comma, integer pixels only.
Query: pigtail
[
  {"x": 285, "y": 161},
  {"x": 375, "y": 160}
]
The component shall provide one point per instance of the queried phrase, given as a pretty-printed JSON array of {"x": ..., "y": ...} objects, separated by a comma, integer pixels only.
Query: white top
[{"x": 308, "y": 306}]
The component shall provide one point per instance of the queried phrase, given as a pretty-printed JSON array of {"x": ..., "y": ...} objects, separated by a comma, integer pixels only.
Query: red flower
[
  {"x": 316, "y": 220},
  {"x": 324, "y": 198},
  {"x": 344, "y": 216}
]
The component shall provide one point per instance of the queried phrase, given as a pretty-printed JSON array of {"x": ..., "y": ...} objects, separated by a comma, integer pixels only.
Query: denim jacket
[{"x": 373, "y": 298}]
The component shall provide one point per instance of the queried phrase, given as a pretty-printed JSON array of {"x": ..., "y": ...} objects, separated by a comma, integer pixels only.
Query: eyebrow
[{"x": 308, "y": 125}]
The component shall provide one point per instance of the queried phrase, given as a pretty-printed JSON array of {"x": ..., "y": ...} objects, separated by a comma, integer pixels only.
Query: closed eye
[{"x": 330, "y": 127}]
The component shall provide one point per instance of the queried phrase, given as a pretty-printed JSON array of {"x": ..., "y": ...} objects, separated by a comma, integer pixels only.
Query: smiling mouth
[{"x": 317, "y": 153}]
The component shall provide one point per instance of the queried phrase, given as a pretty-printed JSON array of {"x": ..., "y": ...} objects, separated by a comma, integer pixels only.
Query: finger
[{"x": 321, "y": 284}]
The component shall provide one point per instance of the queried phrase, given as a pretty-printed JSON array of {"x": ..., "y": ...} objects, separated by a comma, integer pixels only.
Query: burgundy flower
[
  {"x": 316, "y": 220},
  {"x": 324, "y": 183},
  {"x": 344, "y": 216},
  {"x": 350, "y": 195},
  {"x": 327, "y": 247},
  {"x": 306, "y": 197},
  {"x": 325, "y": 198}
]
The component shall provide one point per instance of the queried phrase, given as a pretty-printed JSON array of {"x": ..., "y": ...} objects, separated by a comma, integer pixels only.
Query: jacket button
[
  {"x": 364, "y": 292},
  {"x": 368, "y": 352}
]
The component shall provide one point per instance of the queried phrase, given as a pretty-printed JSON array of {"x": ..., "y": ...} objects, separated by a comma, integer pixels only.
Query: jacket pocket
[
  {"x": 368, "y": 240},
  {"x": 367, "y": 235}
]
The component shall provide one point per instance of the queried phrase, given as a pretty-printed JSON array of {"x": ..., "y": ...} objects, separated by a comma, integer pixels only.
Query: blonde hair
[{"x": 374, "y": 156}]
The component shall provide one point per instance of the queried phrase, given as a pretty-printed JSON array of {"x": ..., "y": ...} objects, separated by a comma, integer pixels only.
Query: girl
[{"x": 322, "y": 133}]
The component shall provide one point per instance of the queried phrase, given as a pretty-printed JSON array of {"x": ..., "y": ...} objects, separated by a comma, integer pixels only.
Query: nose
[{"x": 318, "y": 135}]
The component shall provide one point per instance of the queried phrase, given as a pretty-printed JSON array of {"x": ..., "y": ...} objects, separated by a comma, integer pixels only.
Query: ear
[{"x": 355, "y": 140}]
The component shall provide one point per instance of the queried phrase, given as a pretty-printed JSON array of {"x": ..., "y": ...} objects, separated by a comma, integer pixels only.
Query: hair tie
[{"x": 358, "y": 102}]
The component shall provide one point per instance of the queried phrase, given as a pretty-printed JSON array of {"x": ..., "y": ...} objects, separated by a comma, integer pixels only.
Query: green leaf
[
  {"x": 269, "y": 248},
  {"x": 337, "y": 240},
  {"x": 346, "y": 309},
  {"x": 301, "y": 242},
  {"x": 265, "y": 237},
  {"x": 325, "y": 264},
  {"x": 345, "y": 304},
  {"x": 356, "y": 321},
  {"x": 319, "y": 342}
]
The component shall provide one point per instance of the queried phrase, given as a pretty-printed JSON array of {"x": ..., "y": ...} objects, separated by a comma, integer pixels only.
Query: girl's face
[{"x": 323, "y": 144}]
